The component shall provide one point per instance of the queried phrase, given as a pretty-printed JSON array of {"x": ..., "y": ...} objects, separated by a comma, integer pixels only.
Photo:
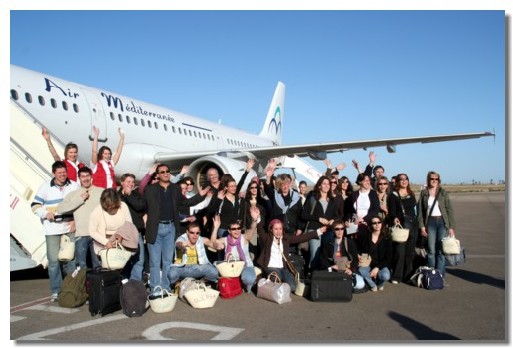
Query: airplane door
[{"x": 98, "y": 117}]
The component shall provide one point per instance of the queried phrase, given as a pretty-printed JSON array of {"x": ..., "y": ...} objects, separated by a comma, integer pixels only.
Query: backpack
[
  {"x": 133, "y": 298},
  {"x": 73, "y": 290},
  {"x": 428, "y": 278}
]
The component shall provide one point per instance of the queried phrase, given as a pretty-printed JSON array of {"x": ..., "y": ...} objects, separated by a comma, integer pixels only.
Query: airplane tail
[{"x": 274, "y": 122}]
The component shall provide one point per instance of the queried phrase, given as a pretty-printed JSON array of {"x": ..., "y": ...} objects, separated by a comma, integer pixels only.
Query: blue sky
[{"x": 350, "y": 75}]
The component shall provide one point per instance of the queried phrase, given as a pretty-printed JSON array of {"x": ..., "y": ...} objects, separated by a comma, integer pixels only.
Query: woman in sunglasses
[
  {"x": 402, "y": 210},
  {"x": 341, "y": 255},
  {"x": 436, "y": 219},
  {"x": 237, "y": 244},
  {"x": 379, "y": 246},
  {"x": 382, "y": 191}
]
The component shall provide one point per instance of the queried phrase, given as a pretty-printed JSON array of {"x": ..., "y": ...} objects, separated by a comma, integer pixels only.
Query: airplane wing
[{"x": 320, "y": 150}]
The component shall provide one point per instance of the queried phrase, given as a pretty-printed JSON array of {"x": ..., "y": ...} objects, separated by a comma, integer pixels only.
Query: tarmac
[{"x": 472, "y": 308}]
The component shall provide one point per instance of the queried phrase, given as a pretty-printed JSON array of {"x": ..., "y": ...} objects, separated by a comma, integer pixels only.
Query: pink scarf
[{"x": 232, "y": 243}]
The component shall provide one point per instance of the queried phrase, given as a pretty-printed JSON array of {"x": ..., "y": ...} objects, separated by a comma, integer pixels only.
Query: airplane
[{"x": 152, "y": 134}]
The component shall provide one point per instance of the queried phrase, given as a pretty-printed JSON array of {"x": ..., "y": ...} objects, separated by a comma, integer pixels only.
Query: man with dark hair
[
  {"x": 163, "y": 200},
  {"x": 81, "y": 203},
  {"x": 45, "y": 203}
]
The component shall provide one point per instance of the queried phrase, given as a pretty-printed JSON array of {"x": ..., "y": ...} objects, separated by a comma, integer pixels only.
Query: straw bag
[
  {"x": 163, "y": 303},
  {"x": 302, "y": 289},
  {"x": 400, "y": 234},
  {"x": 230, "y": 268},
  {"x": 114, "y": 258},
  {"x": 201, "y": 296},
  {"x": 364, "y": 260},
  {"x": 451, "y": 246},
  {"x": 66, "y": 249},
  {"x": 274, "y": 291}
]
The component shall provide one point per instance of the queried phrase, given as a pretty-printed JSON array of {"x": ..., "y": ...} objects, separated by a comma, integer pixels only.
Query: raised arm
[
  {"x": 117, "y": 155},
  {"x": 54, "y": 153},
  {"x": 213, "y": 242},
  {"x": 94, "y": 150},
  {"x": 255, "y": 216}
]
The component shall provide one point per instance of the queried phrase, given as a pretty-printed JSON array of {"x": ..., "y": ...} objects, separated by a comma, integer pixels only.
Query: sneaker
[
  {"x": 54, "y": 297},
  {"x": 374, "y": 289},
  {"x": 395, "y": 282},
  {"x": 380, "y": 288}
]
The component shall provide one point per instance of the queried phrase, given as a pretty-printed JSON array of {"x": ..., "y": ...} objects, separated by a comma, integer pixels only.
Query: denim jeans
[
  {"x": 138, "y": 261},
  {"x": 83, "y": 246},
  {"x": 285, "y": 276},
  {"x": 248, "y": 277},
  {"x": 436, "y": 232},
  {"x": 207, "y": 271},
  {"x": 162, "y": 251},
  {"x": 53, "y": 243},
  {"x": 382, "y": 277}
]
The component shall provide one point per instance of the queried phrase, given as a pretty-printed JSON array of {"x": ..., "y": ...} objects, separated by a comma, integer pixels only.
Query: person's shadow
[
  {"x": 421, "y": 331},
  {"x": 477, "y": 278}
]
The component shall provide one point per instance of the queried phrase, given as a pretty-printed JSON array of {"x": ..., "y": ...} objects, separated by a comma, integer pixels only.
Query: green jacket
[{"x": 444, "y": 203}]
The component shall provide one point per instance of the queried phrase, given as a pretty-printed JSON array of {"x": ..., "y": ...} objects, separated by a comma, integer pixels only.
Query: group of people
[{"x": 267, "y": 225}]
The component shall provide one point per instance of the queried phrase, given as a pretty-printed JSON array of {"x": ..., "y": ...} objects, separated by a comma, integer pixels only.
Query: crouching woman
[{"x": 275, "y": 250}]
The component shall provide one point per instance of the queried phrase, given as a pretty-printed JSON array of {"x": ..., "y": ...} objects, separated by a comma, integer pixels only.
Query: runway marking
[
  {"x": 225, "y": 333},
  {"x": 54, "y": 309},
  {"x": 15, "y": 318},
  {"x": 42, "y": 334},
  {"x": 29, "y": 304}
]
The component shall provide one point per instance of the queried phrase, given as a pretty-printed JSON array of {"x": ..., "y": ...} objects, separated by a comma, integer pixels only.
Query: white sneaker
[
  {"x": 374, "y": 289},
  {"x": 54, "y": 297},
  {"x": 380, "y": 288},
  {"x": 395, "y": 282}
]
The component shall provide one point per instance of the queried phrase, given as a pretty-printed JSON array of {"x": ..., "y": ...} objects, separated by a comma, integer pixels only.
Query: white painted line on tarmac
[
  {"x": 42, "y": 334},
  {"x": 29, "y": 304},
  {"x": 15, "y": 318},
  {"x": 53, "y": 309},
  {"x": 225, "y": 333}
]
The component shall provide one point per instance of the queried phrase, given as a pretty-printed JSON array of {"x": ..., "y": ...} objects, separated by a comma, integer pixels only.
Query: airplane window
[
  {"x": 149, "y": 124},
  {"x": 165, "y": 127},
  {"x": 179, "y": 130},
  {"x": 28, "y": 97},
  {"x": 127, "y": 119},
  {"x": 135, "y": 121},
  {"x": 142, "y": 122},
  {"x": 120, "y": 118},
  {"x": 75, "y": 107},
  {"x": 54, "y": 103},
  {"x": 65, "y": 105},
  {"x": 112, "y": 116},
  {"x": 41, "y": 100},
  {"x": 204, "y": 136},
  {"x": 156, "y": 125},
  {"x": 14, "y": 94},
  {"x": 174, "y": 130},
  {"x": 195, "y": 134},
  {"x": 190, "y": 133}
]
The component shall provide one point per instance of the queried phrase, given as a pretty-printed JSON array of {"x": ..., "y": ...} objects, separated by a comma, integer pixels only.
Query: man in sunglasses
[{"x": 164, "y": 200}]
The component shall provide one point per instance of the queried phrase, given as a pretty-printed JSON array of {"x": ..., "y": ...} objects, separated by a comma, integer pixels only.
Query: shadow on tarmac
[
  {"x": 421, "y": 331},
  {"x": 477, "y": 278}
]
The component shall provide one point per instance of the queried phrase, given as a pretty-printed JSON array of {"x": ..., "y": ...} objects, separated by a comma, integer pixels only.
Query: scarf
[
  {"x": 278, "y": 198},
  {"x": 235, "y": 243}
]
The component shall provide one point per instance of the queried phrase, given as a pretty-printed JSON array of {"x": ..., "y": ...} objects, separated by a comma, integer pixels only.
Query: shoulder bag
[
  {"x": 66, "y": 249},
  {"x": 274, "y": 291}
]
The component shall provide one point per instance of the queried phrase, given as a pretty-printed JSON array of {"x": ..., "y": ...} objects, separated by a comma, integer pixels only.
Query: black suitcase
[
  {"x": 104, "y": 287},
  {"x": 331, "y": 287}
]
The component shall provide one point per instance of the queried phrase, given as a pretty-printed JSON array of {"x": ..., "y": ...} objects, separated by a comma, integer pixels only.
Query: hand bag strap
[{"x": 432, "y": 206}]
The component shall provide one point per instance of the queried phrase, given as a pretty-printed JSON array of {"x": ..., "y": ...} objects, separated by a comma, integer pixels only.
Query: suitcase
[
  {"x": 104, "y": 289},
  {"x": 331, "y": 287},
  {"x": 229, "y": 287}
]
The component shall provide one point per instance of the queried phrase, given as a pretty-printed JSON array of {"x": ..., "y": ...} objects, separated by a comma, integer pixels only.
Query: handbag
[
  {"x": 302, "y": 289},
  {"x": 274, "y": 291},
  {"x": 364, "y": 260},
  {"x": 352, "y": 228},
  {"x": 400, "y": 234},
  {"x": 456, "y": 259},
  {"x": 450, "y": 246},
  {"x": 229, "y": 287},
  {"x": 201, "y": 296},
  {"x": 163, "y": 303},
  {"x": 66, "y": 249},
  {"x": 230, "y": 268},
  {"x": 114, "y": 258}
]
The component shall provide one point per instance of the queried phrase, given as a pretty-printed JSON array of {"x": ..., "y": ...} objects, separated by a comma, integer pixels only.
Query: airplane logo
[{"x": 276, "y": 120}]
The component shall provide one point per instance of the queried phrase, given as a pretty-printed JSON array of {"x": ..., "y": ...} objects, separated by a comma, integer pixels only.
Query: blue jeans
[
  {"x": 84, "y": 245},
  {"x": 284, "y": 274},
  {"x": 138, "y": 266},
  {"x": 162, "y": 251},
  {"x": 436, "y": 231},
  {"x": 382, "y": 277},
  {"x": 248, "y": 277},
  {"x": 53, "y": 243},
  {"x": 207, "y": 271}
]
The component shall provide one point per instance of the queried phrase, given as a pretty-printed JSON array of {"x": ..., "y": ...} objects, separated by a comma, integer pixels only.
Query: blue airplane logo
[{"x": 276, "y": 120}]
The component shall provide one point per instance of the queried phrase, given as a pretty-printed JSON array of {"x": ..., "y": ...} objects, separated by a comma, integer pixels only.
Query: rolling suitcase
[
  {"x": 104, "y": 288},
  {"x": 331, "y": 287}
]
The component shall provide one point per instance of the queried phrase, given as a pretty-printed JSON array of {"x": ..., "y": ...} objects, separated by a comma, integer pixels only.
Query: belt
[
  {"x": 436, "y": 217},
  {"x": 165, "y": 222}
]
